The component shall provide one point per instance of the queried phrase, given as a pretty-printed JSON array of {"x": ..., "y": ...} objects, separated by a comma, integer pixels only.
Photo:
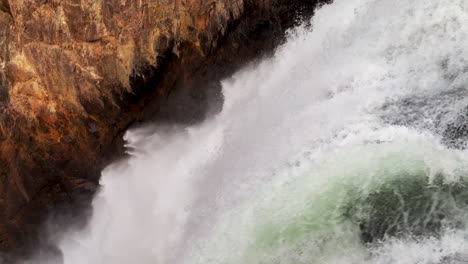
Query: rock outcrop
[{"x": 75, "y": 74}]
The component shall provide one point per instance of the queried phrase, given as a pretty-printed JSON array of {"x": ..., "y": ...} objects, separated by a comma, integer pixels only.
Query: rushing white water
[{"x": 329, "y": 152}]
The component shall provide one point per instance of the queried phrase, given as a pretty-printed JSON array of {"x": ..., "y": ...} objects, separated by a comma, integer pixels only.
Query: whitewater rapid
[{"x": 332, "y": 151}]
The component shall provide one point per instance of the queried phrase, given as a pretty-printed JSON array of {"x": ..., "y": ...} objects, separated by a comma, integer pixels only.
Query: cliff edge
[{"x": 75, "y": 74}]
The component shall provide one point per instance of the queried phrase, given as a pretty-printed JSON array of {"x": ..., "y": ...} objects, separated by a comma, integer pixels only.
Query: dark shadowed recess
[
  {"x": 5, "y": 6},
  {"x": 195, "y": 89},
  {"x": 184, "y": 89},
  {"x": 3, "y": 90}
]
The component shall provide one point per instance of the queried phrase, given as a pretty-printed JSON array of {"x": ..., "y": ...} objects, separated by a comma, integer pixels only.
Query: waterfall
[{"x": 337, "y": 149}]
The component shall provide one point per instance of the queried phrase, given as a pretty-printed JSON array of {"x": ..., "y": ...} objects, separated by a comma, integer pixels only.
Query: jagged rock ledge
[{"x": 75, "y": 74}]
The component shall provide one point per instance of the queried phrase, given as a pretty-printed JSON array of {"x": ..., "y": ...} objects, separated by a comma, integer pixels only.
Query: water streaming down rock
[{"x": 335, "y": 150}]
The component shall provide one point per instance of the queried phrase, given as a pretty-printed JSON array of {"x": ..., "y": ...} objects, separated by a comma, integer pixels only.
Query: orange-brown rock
[{"x": 75, "y": 74}]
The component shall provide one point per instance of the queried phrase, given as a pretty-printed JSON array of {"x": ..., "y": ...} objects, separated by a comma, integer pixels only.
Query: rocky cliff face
[{"x": 75, "y": 74}]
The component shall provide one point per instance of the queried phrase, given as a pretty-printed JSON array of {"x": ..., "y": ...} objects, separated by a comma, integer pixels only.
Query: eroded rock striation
[{"x": 75, "y": 74}]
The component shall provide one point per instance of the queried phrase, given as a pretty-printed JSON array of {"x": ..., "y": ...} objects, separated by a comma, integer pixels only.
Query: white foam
[{"x": 321, "y": 87}]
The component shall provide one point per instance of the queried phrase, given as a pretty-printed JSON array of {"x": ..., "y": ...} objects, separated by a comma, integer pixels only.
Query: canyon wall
[{"x": 75, "y": 74}]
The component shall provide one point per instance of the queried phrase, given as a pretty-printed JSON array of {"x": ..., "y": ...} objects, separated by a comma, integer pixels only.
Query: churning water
[{"x": 336, "y": 150}]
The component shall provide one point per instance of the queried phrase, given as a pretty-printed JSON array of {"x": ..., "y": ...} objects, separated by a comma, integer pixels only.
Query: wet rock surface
[{"x": 75, "y": 74}]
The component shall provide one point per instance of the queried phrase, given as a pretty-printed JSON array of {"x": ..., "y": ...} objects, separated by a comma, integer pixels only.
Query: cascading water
[{"x": 332, "y": 151}]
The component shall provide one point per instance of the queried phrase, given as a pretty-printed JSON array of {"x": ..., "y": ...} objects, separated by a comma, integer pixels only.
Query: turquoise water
[{"x": 346, "y": 204}]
